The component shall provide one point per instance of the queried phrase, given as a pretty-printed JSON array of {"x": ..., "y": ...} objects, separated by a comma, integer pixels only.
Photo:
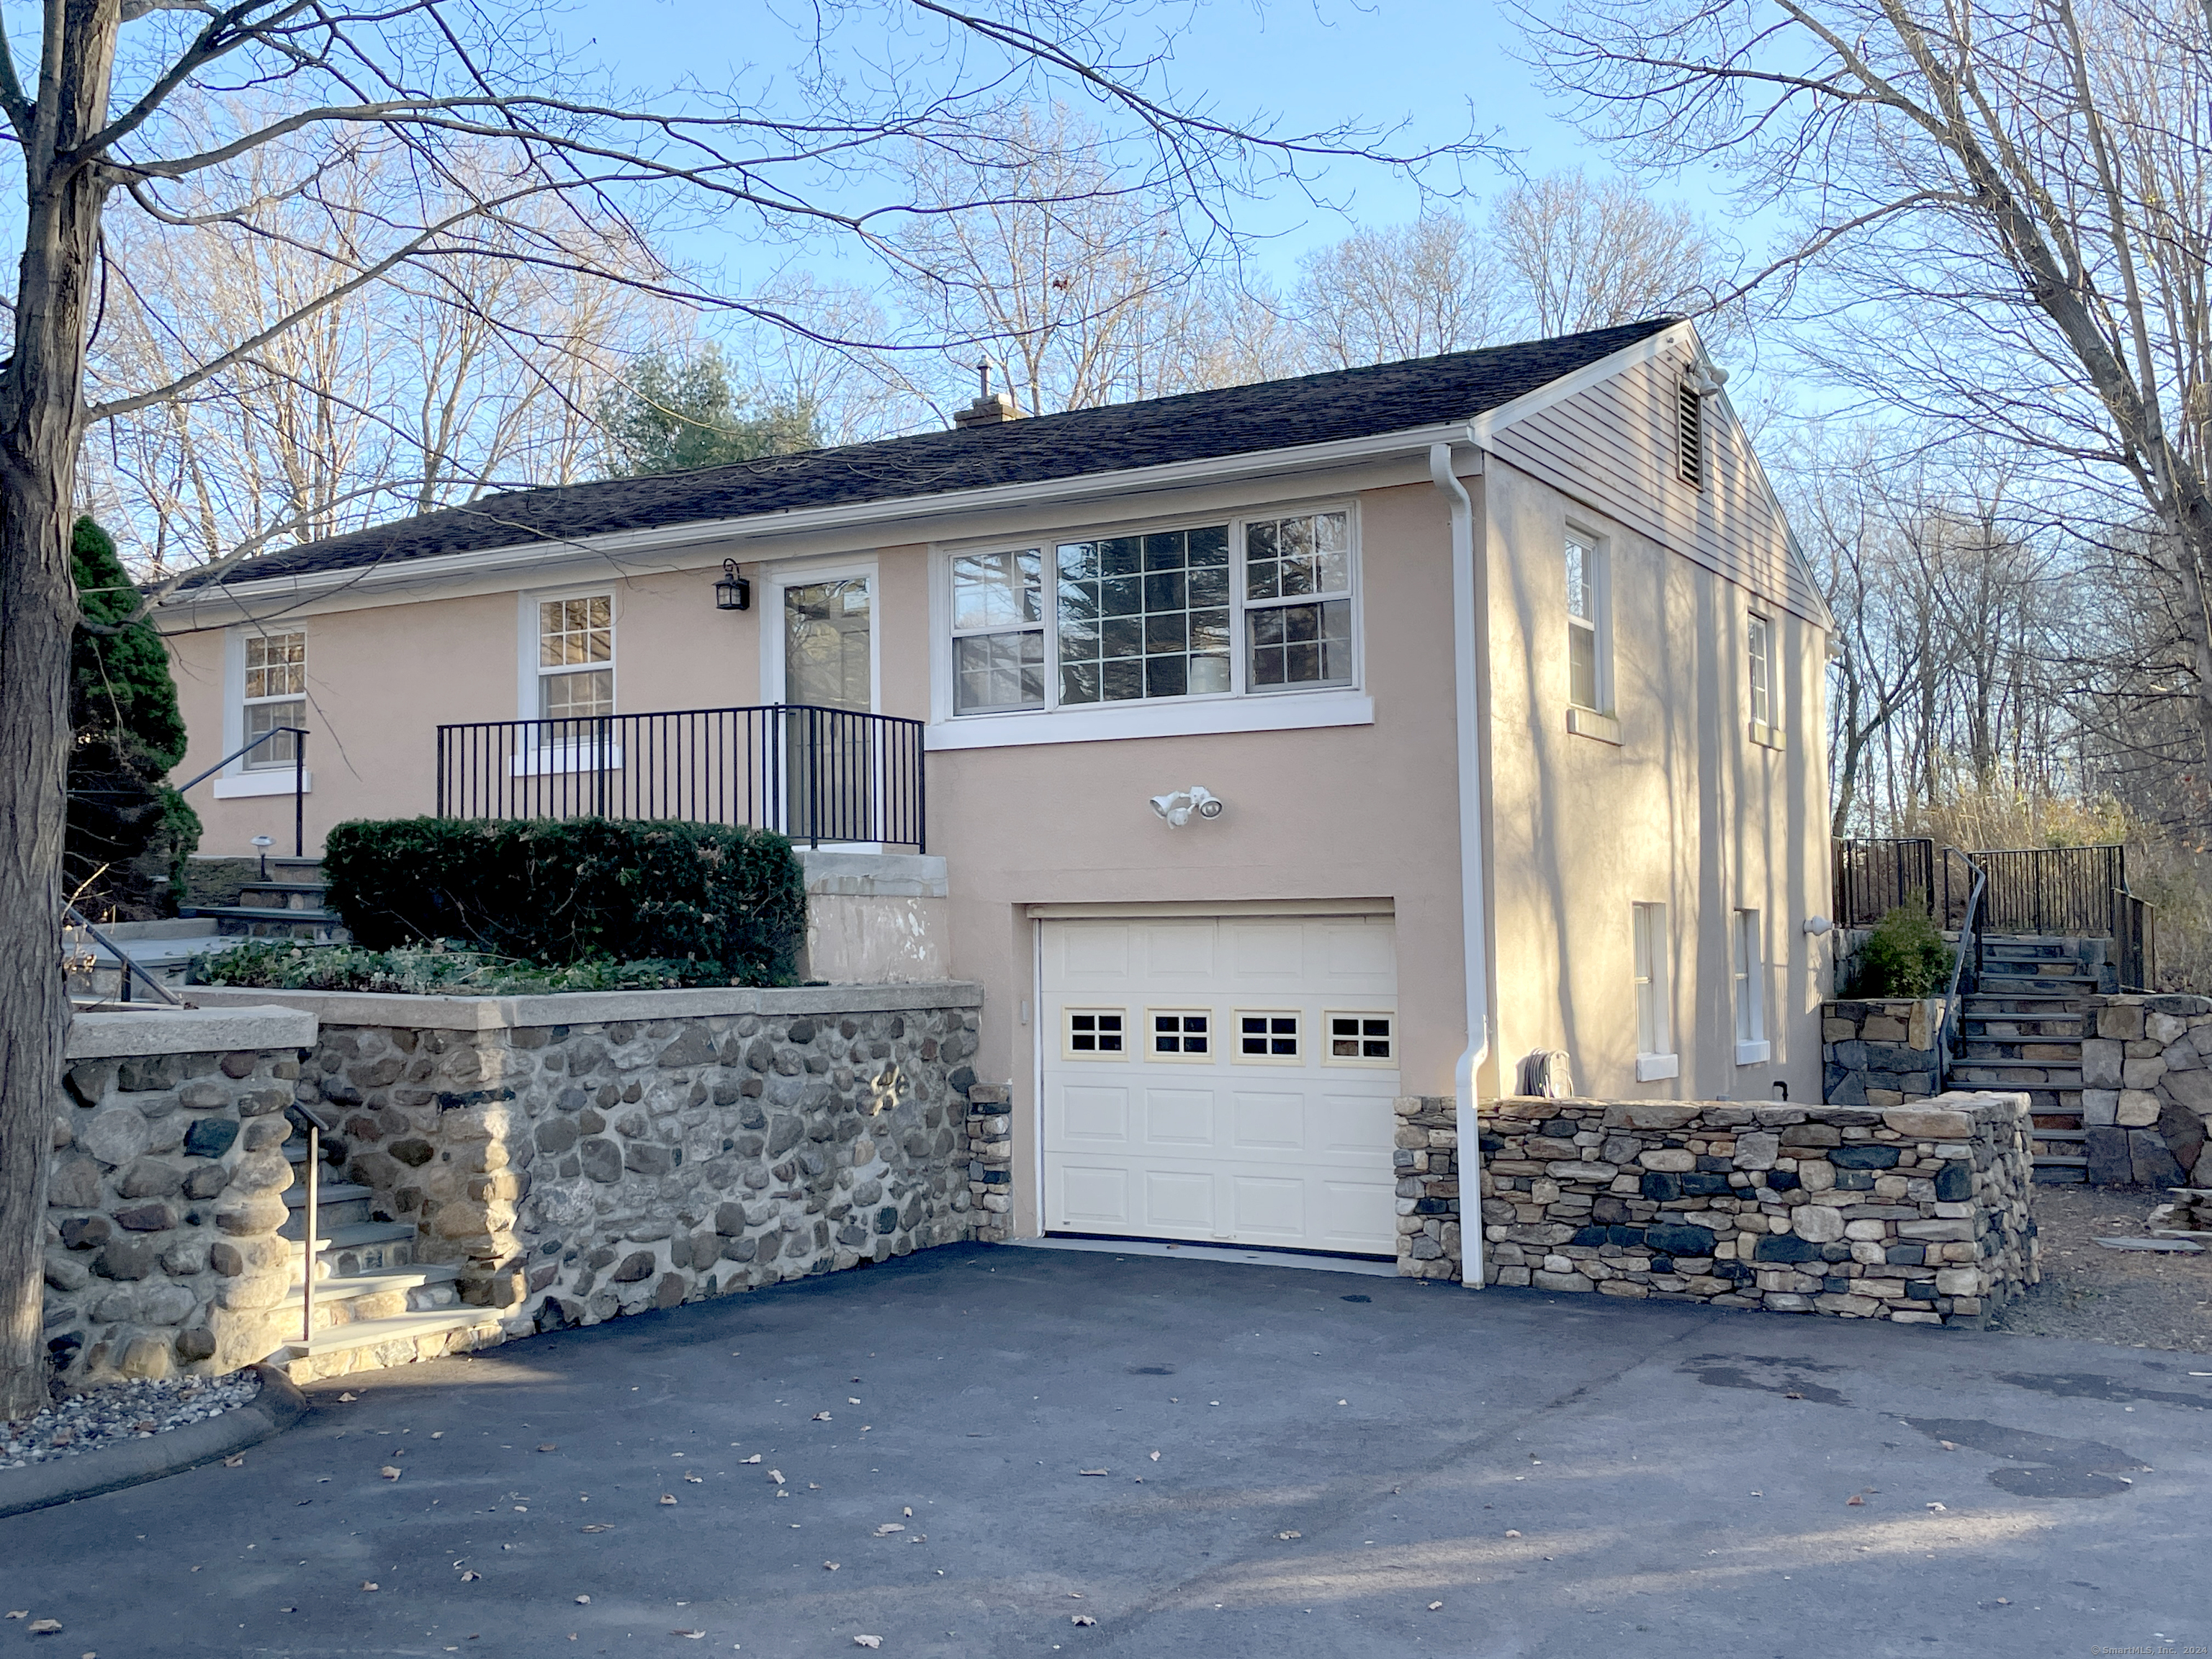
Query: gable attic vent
[{"x": 1690, "y": 434}]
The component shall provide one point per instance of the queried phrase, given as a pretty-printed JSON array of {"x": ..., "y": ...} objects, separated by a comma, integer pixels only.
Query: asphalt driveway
[{"x": 970, "y": 1434}]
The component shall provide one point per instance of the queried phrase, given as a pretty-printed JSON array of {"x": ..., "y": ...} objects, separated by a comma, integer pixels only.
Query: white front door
[{"x": 1222, "y": 1078}]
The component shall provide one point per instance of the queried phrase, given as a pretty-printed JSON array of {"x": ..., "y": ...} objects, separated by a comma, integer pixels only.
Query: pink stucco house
[{"x": 1266, "y": 754}]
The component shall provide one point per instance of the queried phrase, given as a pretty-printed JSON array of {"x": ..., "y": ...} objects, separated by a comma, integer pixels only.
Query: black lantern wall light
[{"x": 733, "y": 592}]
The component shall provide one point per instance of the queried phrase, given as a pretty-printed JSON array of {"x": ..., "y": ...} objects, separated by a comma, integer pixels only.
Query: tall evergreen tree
[
  {"x": 128, "y": 832},
  {"x": 674, "y": 413}
]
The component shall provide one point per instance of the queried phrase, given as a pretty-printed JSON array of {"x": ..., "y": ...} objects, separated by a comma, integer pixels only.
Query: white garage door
[{"x": 1226, "y": 1079}]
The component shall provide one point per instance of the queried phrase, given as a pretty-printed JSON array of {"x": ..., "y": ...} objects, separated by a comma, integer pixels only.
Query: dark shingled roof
[{"x": 1314, "y": 408}]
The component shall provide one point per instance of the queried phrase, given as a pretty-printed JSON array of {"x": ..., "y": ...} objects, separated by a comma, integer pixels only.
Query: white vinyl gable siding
[{"x": 1615, "y": 446}]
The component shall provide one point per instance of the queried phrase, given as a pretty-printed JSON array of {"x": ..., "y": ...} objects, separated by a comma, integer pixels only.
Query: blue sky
[{"x": 1313, "y": 62}]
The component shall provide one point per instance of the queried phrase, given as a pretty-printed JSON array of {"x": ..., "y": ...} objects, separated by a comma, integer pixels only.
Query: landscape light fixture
[
  {"x": 733, "y": 592},
  {"x": 262, "y": 844}
]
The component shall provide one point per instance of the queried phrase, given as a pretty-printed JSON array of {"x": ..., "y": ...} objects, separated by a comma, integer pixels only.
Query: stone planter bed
[{"x": 1916, "y": 1214}]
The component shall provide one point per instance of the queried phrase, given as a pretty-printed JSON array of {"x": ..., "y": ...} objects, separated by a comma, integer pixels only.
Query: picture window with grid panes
[
  {"x": 276, "y": 696},
  {"x": 1205, "y": 611},
  {"x": 575, "y": 659}
]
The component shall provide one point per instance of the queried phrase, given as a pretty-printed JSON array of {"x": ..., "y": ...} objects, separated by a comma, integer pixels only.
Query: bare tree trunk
[{"x": 41, "y": 422}]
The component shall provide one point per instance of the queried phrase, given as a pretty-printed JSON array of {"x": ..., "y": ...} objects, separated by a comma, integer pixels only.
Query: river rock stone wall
[
  {"x": 582, "y": 1170},
  {"x": 991, "y": 1161},
  {"x": 2147, "y": 1090},
  {"x": 165, "y": 1193},
  {"x": 1918, "y": 1214}
]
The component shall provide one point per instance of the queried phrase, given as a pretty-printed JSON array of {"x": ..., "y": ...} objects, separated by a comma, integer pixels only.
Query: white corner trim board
[
  {"x": 240, "y": 785},
  {"x": 1652, "y": 1068},
  {"x": 1276, "y": 712}
]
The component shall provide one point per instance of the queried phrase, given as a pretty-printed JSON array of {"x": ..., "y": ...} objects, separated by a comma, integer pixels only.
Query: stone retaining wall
[
  {"x": 990, "y": 1162},
  {"x": 165, "y": 1193},
  {"x": 589, "y": 1155},
  {"x": 1881, "y": 1052},
  {"x": 1915, "y": 1213},
  {"x": 2147, "y": 1089}
]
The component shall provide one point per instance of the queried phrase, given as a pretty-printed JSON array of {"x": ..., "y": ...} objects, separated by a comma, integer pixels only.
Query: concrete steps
[
  {"x": 287, "y": 905},
  {"x": 375, "y": 1305}
]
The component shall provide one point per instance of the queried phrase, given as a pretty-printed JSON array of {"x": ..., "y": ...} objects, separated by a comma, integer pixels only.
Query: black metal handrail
[
  {"x": 2136, "y": 932},
  {"x": 299, "y": 780},
  {"x": 816, "y": 774},
  {"x": 1970, "y": 948},
  {"x": 1872, "y": 876},
  {"x": 125, "y": 961}
]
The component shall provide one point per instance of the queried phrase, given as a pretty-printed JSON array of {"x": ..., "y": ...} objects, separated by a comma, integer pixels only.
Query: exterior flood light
[
  {"x": 733, "y": 592},
  {"x": 1178, "y": 808},
  {"x": 1817, "y": 926}
]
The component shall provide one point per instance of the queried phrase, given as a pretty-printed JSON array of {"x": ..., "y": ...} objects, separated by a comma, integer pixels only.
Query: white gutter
[{"x": 1474, "y": 922}]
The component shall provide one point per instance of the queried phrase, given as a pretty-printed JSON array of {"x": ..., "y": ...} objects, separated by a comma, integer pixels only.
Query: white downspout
[{"x": 1474, "y": 922}]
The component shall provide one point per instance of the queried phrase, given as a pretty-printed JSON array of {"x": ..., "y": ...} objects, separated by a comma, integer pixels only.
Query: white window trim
[
  {"x": 238, "y": 767},
  {"x": 1747, "y": 987},
  {"x": 1654, "y": 1065},
  {"x": 777, "y": 579},
  {"x": 1768, "y": 733},
  {"x": 268, "y": 780},
  {"x": 1238, "y": 1057},
  {"x": 1067, "y": 1049},
  {"x": 1240, "y": 708},
  {"x": 1212, "y": 1037},
  {"x": 1602, "y": 722},
  {"x": 528, "y": 704},
  {"x": 1327, "y": 1038}
]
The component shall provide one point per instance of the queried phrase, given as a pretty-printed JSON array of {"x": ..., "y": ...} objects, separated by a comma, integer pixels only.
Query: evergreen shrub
[
  {"x": 729, "y": 902},
  {"x": 1905, "y": 955}
]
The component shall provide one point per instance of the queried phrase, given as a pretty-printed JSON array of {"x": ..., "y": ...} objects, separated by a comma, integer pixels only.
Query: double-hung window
[
  {"x": 1765, "y": 686},
  {"x": 575, "y": 659},
  {"x": 275, "y": 695},
  {"x": 998, "y": 632},
  {"x": 1245, "y": 606},
  {"x": 1747, "y": 968},
  {"x": 1655, "y": 1031}
]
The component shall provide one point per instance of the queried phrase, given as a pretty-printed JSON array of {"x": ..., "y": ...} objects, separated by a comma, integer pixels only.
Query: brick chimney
[{"x": 991, "y": 409}]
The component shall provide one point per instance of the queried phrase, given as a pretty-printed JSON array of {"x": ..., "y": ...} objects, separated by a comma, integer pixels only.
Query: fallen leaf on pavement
[
  {"x": 1433, "y": 1606},
  {"x": 389, "y": 1472},
  {"x": 668, "y": 1497},
  {"x": 1155, "y": 1457},
  {"x": 1080, "y": 1619},
  {"x": 1937, "y": 1507},
  {"x": 583, "y": 1600},
  {"x": 697, "y": 1479},
  {"x": 1509, "y": 1533},
  {"x": 908, "y": 1511},
  {"x": 830, "y": 1566},
  {"x": 822, "y": 1417},
  {"x": 889, "y": 1527},
  {"x": 1948, "y": 1446},
  {"x": 25, "y": 1613},
  {"x": 868, "y": 1641},
  {"x": 776, "y": 1476},
  {"x": 1858, "y": 1503},
  {"x": 1289, "y": 1534},
  {"x": 366, "y": 1583},
  {"x": 45, "y": 1626},
  {"x": 852, "y": 1399},
  {"x": 1090, "y": 1471},
  {"x": 233, "y": 1462},
  {"x": 346, "y": 1399},
  {"x": 602, "y": 1527},
  {"x": 754, "y": 1458},
  {"x": 694, "y": 1634},
  {"x": 548, "y": 1446}
]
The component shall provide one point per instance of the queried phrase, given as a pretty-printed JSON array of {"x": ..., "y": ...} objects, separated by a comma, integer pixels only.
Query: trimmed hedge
[{"x": 561, "y": 891}]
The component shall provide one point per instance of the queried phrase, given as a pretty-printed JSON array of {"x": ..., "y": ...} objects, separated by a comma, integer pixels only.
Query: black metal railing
[
  {"x": 2135, "y": 930},
  {"x": 299, "y": 735},
  {"x": 2070, "y": 890},
  {"x": 816, "y": 774},
  {"x": 1874, "y": 877}
]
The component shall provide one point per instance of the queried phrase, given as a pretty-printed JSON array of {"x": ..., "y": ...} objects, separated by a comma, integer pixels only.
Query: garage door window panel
[
  {"x": 1096, "y": 1034},
  {"x": 1360, "y": 1039},
  {"x": 1270, "y": 1036},
  {"x": 1184, "y": 1036}
]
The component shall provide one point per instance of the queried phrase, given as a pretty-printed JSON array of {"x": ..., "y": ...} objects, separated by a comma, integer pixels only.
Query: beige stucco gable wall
[{"x": 1686, "y": 810}]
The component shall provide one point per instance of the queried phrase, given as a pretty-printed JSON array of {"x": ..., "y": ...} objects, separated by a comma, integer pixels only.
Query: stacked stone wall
[
  {"x": 2147, "y": 1090},
  {"x": 1918, "y": 1214},
  {"x": 1881, "y": 1053},
  {"x": 991, "y": 1161},
  {"x": 582, "y": 1170},
  {"x": 165, "y": 1194},
  {"x": 1426, "y": 1160}
]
